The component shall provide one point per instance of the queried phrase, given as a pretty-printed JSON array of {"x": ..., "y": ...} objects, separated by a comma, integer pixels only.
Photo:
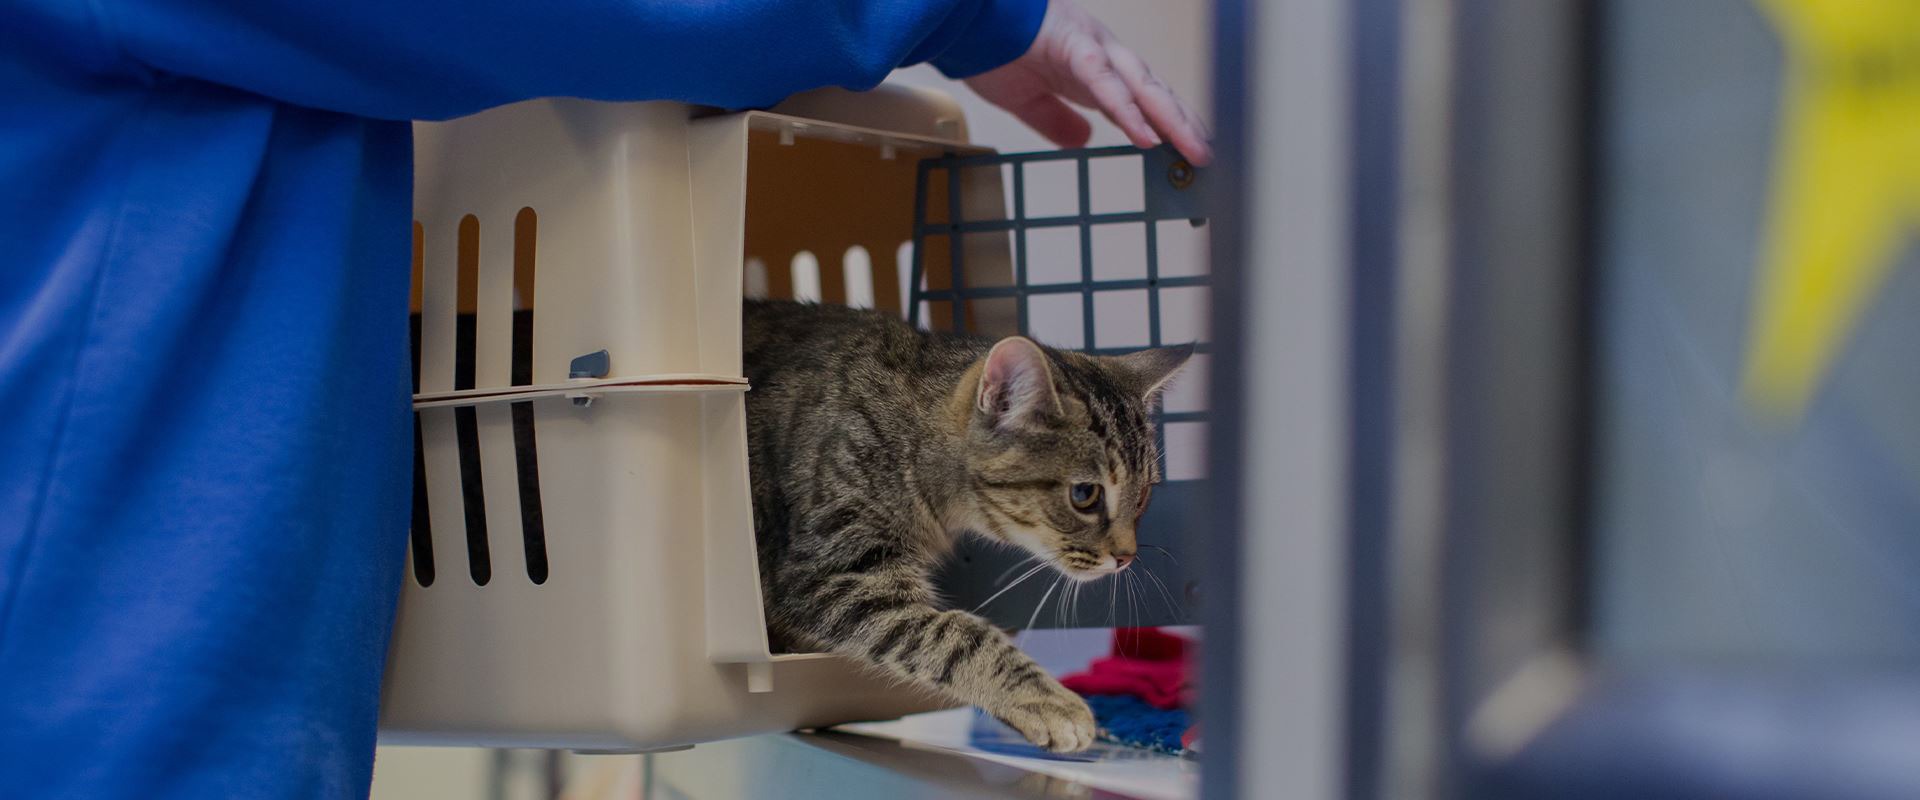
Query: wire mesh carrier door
[{"x": 1107, "y": 257}]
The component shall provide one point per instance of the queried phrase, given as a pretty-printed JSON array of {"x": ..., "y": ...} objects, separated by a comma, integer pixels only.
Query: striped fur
[{"x": 873, "y": 446}]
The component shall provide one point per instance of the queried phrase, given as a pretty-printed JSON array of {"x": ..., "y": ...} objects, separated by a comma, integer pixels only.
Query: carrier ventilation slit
[
  {"x": 806, "y": 277},
  {"x": 466, "y": 419},
  {"x": 756, "y": 280},
  {"x": 857, "y": 268},
  {"x": 533, "y": 528},
  {"x": 903, "y": 266},
  {"x": 422, "y": 529}
]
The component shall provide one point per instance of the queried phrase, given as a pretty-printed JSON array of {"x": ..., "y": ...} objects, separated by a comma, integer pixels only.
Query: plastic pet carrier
[{"x": 582, "y": 571}]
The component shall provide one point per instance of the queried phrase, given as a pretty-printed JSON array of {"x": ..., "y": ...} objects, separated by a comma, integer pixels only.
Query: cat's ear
[
  {"x": 1148, "y": 372},
  {"x": 1016, "y": 385}
]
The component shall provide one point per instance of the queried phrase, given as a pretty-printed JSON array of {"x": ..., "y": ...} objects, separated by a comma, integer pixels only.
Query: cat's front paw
[{"x": 1056, "y": 719}]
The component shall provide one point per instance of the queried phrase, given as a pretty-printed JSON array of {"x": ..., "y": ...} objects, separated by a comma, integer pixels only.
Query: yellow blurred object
[{"x": 1846, "y": 188}]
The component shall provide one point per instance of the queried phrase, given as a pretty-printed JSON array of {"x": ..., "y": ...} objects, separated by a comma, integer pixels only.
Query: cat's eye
[{"x": 1084, "y": 496}]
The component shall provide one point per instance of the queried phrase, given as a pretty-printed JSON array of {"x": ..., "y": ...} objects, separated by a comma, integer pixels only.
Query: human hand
[{"x": 1075, "y": 58}]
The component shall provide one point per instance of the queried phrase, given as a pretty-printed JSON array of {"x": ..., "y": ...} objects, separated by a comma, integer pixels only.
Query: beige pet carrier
[{"x": 583, "y": 572}]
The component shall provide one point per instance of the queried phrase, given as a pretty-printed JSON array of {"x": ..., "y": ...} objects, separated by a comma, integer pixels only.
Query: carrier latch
[{"x": 597, "y": 364}]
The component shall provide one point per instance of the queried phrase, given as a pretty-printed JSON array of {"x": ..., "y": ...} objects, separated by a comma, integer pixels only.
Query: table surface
[{"x": 940, "y": 754}]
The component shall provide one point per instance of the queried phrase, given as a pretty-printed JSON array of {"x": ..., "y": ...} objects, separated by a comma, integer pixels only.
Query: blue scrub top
[{"x": 205, "y": 443}]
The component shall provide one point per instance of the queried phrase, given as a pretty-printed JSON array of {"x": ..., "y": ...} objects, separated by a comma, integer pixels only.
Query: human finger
[
  {"x": 1163, "y": 109},
  {"x": 1090, "y": 67}
]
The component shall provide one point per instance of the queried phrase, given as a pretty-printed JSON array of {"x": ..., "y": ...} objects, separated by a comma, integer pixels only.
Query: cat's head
[{"x": 1060, "y": 449}]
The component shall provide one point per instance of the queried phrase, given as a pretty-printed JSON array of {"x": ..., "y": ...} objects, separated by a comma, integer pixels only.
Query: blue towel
[{"x": 1128, "y": 720}]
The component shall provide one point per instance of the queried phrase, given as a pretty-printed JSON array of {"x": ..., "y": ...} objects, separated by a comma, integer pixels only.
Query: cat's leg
[{"x": 880, "y": 619}]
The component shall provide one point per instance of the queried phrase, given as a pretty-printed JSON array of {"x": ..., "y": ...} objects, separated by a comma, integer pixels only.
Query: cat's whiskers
[
  {"x": 1165, "y": 593},
  {"x": 1164, "y": 551},
  {"x": 1040, "y": 605},
  {"x": 1133, "y": 611},
  {"x": 1022, "y": 579},
  {"x": 1113, "y": 592},
  {"x": 1021, "y": 563}
]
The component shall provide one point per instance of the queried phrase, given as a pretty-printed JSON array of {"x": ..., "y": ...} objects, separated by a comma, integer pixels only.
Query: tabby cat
[{"x": 874, "y": 446}]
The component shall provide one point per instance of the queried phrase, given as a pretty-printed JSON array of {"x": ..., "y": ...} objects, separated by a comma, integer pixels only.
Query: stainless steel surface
[{"x": 844, "y": 766}]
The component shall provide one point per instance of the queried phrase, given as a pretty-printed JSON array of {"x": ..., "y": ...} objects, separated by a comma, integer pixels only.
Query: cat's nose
[{"x": 1121, "y": 560}]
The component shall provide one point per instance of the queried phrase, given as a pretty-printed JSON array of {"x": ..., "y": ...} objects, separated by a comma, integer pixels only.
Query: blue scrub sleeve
[
  {"x": 205, "y": 426},
  {"x": 432, "y": 59}
]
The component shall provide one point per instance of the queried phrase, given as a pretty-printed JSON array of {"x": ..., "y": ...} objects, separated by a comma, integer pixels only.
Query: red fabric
[{"x": 1146, "y": 663}]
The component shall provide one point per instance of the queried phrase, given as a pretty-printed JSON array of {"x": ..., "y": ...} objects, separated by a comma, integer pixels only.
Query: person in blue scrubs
[{"x": 205, "y": 447}]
